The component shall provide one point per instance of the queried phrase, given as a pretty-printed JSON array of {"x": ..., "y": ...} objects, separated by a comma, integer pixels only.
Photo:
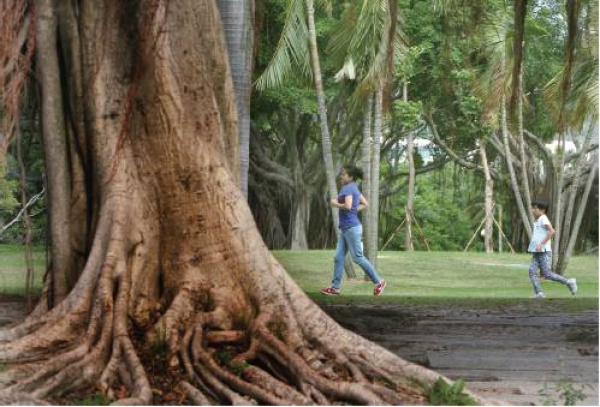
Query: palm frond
[{"x": 292, "y": 49}]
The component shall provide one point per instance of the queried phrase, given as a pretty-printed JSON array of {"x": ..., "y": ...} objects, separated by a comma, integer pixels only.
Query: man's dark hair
[
  {"x": 353, "y": 171},
  {"x": 540, "y": 203}
]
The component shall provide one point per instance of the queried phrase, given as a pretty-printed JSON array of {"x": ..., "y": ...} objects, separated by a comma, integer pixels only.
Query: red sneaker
[
  {"x": 329, "y": 291},
  {"x": 379, "y": 287}
]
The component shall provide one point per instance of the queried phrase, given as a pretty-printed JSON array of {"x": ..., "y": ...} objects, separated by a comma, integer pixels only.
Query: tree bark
[
  {"x": 511, "y": 170},
  {"x": 408, "y": 241},
  {"x": 489, "y": 200},
  {"x": 521, "y": 143},
  {"x": 367, "y": 219},
  {"x": 238, "y": 24},
  {"x": 175, "y": 255},
  {"x": 375, "y": 164},
  {"x": 55, "y": 150}
]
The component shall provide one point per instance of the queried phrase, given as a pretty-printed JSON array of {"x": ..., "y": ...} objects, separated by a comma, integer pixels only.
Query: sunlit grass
[{"x": 422, "y": 277}]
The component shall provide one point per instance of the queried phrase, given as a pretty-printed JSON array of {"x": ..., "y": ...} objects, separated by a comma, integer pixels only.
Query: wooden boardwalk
[{"x": 508, "y": 355}]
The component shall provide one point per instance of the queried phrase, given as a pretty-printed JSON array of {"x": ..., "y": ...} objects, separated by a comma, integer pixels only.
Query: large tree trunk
[{"x": 175, "y": 254}]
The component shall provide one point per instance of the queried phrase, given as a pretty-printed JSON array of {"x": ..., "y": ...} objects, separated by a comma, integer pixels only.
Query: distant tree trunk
[
  {"x": 375, "y": 165},
  {"x": 557, "y": 200},
  {"x": 408, "y": 241},
  {"x": 366, "y": 184},
  {"x": 489, "y": 200},
  {"x": 568, "y": 235},
  {"x": 325, "y": 138},
  {"x": 27, "y": 224},
  {"x": 566, "y": 256},
  {"x": 511, "y": 171},
  {"x": 238, "y": 26},
  {"x": 521, "y": 143}
]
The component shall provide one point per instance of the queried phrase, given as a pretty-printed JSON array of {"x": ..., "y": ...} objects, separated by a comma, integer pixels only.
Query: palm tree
[
  {"x": 492, "y": 88},
  {"x": 298, "y": 44},
  {"x": 237, "y": 18},
  {"x": 367, "y": 44}
]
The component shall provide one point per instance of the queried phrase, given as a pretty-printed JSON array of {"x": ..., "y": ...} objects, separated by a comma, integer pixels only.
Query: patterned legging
[{"x": 541, "y": 261}]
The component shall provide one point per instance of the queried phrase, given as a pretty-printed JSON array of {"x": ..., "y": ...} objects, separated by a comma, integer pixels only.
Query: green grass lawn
[
  {"x": 473, "y": 279},
  {"x": 12, "y": 269},
  {"x": 425, "y": 277}
]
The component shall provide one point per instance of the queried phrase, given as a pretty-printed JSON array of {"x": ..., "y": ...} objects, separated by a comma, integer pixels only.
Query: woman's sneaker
[
  {"x": 572, "y": 284},
  {"x": 379, "y": 288},
  {"x": 329, "y": 291},
  {"x": 539, "y": 295}
]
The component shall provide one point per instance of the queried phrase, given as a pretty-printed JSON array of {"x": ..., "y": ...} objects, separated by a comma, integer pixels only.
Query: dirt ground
[{"x": 510, "y": 354}]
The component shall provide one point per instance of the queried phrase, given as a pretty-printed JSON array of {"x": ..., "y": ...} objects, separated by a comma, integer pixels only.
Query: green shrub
[{"x": 444, "y": 394}]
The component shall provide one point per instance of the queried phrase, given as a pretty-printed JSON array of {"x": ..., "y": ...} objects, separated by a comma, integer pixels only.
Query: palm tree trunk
[
  {"x": 509, "y": 164},
  {"x": 489, "y": 200},
  {"x": 325, "y": 138},
  {"x": 558, "y": 200},
  {"x": 366, "y": 184},
  {"x": 237, "y": 17},
  {"x": 375, "y": 163},
  {"x": 521, "y": 142},
  {"x": 408, "y": 241}
]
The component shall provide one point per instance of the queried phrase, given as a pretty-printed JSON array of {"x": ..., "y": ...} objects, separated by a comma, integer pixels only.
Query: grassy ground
[
  {"x": 473, "y": 279},
  {"x": 12, "y": 269}
]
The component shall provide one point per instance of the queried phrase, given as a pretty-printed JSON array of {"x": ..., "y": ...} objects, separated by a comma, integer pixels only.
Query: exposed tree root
[{"x": 229, "y": 353}]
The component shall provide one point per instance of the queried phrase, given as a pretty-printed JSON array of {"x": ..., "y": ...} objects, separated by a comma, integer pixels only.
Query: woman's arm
[
  {"x": 347, "y": 205},
  {"x": 363, "y": 204}
]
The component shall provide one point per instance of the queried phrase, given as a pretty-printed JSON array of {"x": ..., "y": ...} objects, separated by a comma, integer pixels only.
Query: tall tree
[
  {"x": 238, "y": 25},
  {"x": 298, "y": 41},
  {"x": 160, "y": 122}
]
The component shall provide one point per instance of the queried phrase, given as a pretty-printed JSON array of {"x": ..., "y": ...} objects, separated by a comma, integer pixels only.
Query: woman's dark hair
[{"x": 353, "y": 171}]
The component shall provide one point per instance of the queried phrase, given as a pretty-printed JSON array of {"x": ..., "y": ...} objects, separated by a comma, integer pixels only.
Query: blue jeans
[
  {"x": 350, "y": 239},
  {"x": 541, "y": 261}
]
